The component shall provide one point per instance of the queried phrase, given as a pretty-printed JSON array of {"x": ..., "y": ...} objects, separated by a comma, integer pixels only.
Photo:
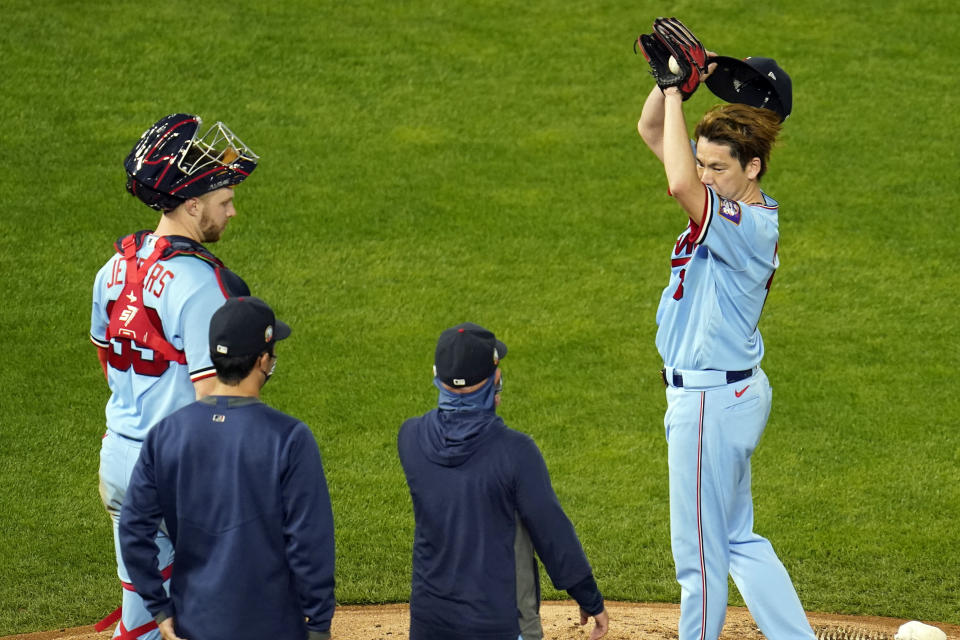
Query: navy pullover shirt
[
  {"x": 241, "y": 489},
  {"x": 470, "y": 477}
]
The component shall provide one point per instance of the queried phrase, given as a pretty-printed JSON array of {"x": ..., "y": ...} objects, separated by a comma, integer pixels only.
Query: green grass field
[{"x": 425, "y": 163}]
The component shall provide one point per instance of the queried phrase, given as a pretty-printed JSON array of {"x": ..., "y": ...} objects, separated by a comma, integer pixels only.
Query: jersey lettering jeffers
[
  {"x": 170, "y": 310},
  {"x": 720, "y": 275},
  {"x": 155, "y": 282}
]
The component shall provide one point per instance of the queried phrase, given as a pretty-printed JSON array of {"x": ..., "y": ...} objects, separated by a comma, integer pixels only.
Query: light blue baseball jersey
[
  {"x": 720, "y": 276},
  {"x": 181, "y": 294}
]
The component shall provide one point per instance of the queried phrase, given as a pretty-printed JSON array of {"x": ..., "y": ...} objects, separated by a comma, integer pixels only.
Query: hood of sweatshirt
[{"x": 449, "y": 438}]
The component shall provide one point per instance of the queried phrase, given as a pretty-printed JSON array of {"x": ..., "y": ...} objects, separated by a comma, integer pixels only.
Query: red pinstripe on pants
[{"x": 703, "y": 566}]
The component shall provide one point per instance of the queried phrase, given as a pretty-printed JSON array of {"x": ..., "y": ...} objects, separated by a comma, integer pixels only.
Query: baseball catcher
[{"x": 152, "y": 304}]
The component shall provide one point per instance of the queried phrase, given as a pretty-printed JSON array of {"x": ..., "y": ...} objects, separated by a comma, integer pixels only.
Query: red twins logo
[
  {"x": 685, "y": 244},
  {"x": 683, "y": 251}
]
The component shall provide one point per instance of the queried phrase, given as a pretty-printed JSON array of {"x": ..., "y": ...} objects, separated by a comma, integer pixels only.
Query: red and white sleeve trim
[
  {"x": 202, "y": 374},
  {"x": 706, "y": 219}
]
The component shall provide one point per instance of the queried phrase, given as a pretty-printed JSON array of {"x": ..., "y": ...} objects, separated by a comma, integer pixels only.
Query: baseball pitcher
[{"x": 721, "y": 269}]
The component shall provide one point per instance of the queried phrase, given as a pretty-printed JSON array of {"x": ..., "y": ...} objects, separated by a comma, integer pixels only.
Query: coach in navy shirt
[
  {"x": 241, "y": 490},
  {"x": 473, "y": 482}
]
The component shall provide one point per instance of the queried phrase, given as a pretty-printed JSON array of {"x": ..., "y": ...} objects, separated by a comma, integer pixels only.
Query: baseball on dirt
[
  {"x": 672, "y": 65},
  {"x": 916, "y": 630}
]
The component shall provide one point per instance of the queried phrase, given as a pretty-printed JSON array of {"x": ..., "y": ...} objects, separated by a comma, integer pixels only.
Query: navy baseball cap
[
  {"x": 245, "y": 326},
  {"x": 467, "y": 354},
  {"x": 758, "y": 82}
]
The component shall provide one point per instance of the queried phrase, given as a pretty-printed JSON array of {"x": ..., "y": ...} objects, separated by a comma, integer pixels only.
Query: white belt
[{"x": 702, "y": 379}]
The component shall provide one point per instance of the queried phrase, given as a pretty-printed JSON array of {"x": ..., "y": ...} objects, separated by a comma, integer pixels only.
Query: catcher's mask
[
  {"x": 758, "y": 82},
  {"x": 170, "y": 163}
]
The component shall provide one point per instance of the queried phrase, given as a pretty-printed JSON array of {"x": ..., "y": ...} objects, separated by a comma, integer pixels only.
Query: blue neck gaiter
[{"x": 479, "y": 400}]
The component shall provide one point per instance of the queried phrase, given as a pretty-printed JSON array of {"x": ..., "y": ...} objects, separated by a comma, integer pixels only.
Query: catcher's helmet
[
  {"x": 758, "y": 82},
  {"x": 170, "y": 163}
]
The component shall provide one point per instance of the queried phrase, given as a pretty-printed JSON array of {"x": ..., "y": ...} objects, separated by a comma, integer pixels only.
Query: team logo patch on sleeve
[{"x": 730, "y": 210}]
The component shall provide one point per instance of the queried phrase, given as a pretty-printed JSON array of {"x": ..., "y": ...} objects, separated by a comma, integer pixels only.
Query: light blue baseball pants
[
  {"x": 711, "y": 434},
  {"x": 118, "y": 455}
]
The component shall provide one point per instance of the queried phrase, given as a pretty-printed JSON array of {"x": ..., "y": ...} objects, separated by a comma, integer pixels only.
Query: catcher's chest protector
[{"x": 131, "y": 320}]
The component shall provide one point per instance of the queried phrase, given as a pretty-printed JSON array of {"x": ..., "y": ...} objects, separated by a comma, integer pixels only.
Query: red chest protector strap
[{"x": 129, "y": 318}]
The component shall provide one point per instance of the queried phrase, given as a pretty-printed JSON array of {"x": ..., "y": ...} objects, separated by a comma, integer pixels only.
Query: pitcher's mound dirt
[{"x": 561, "y": 621}]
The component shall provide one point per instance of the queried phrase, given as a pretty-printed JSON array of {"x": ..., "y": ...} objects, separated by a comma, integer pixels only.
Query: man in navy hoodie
[
  {"x": 241, "y": 489},
  {"x": 473, "y": 482}
]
